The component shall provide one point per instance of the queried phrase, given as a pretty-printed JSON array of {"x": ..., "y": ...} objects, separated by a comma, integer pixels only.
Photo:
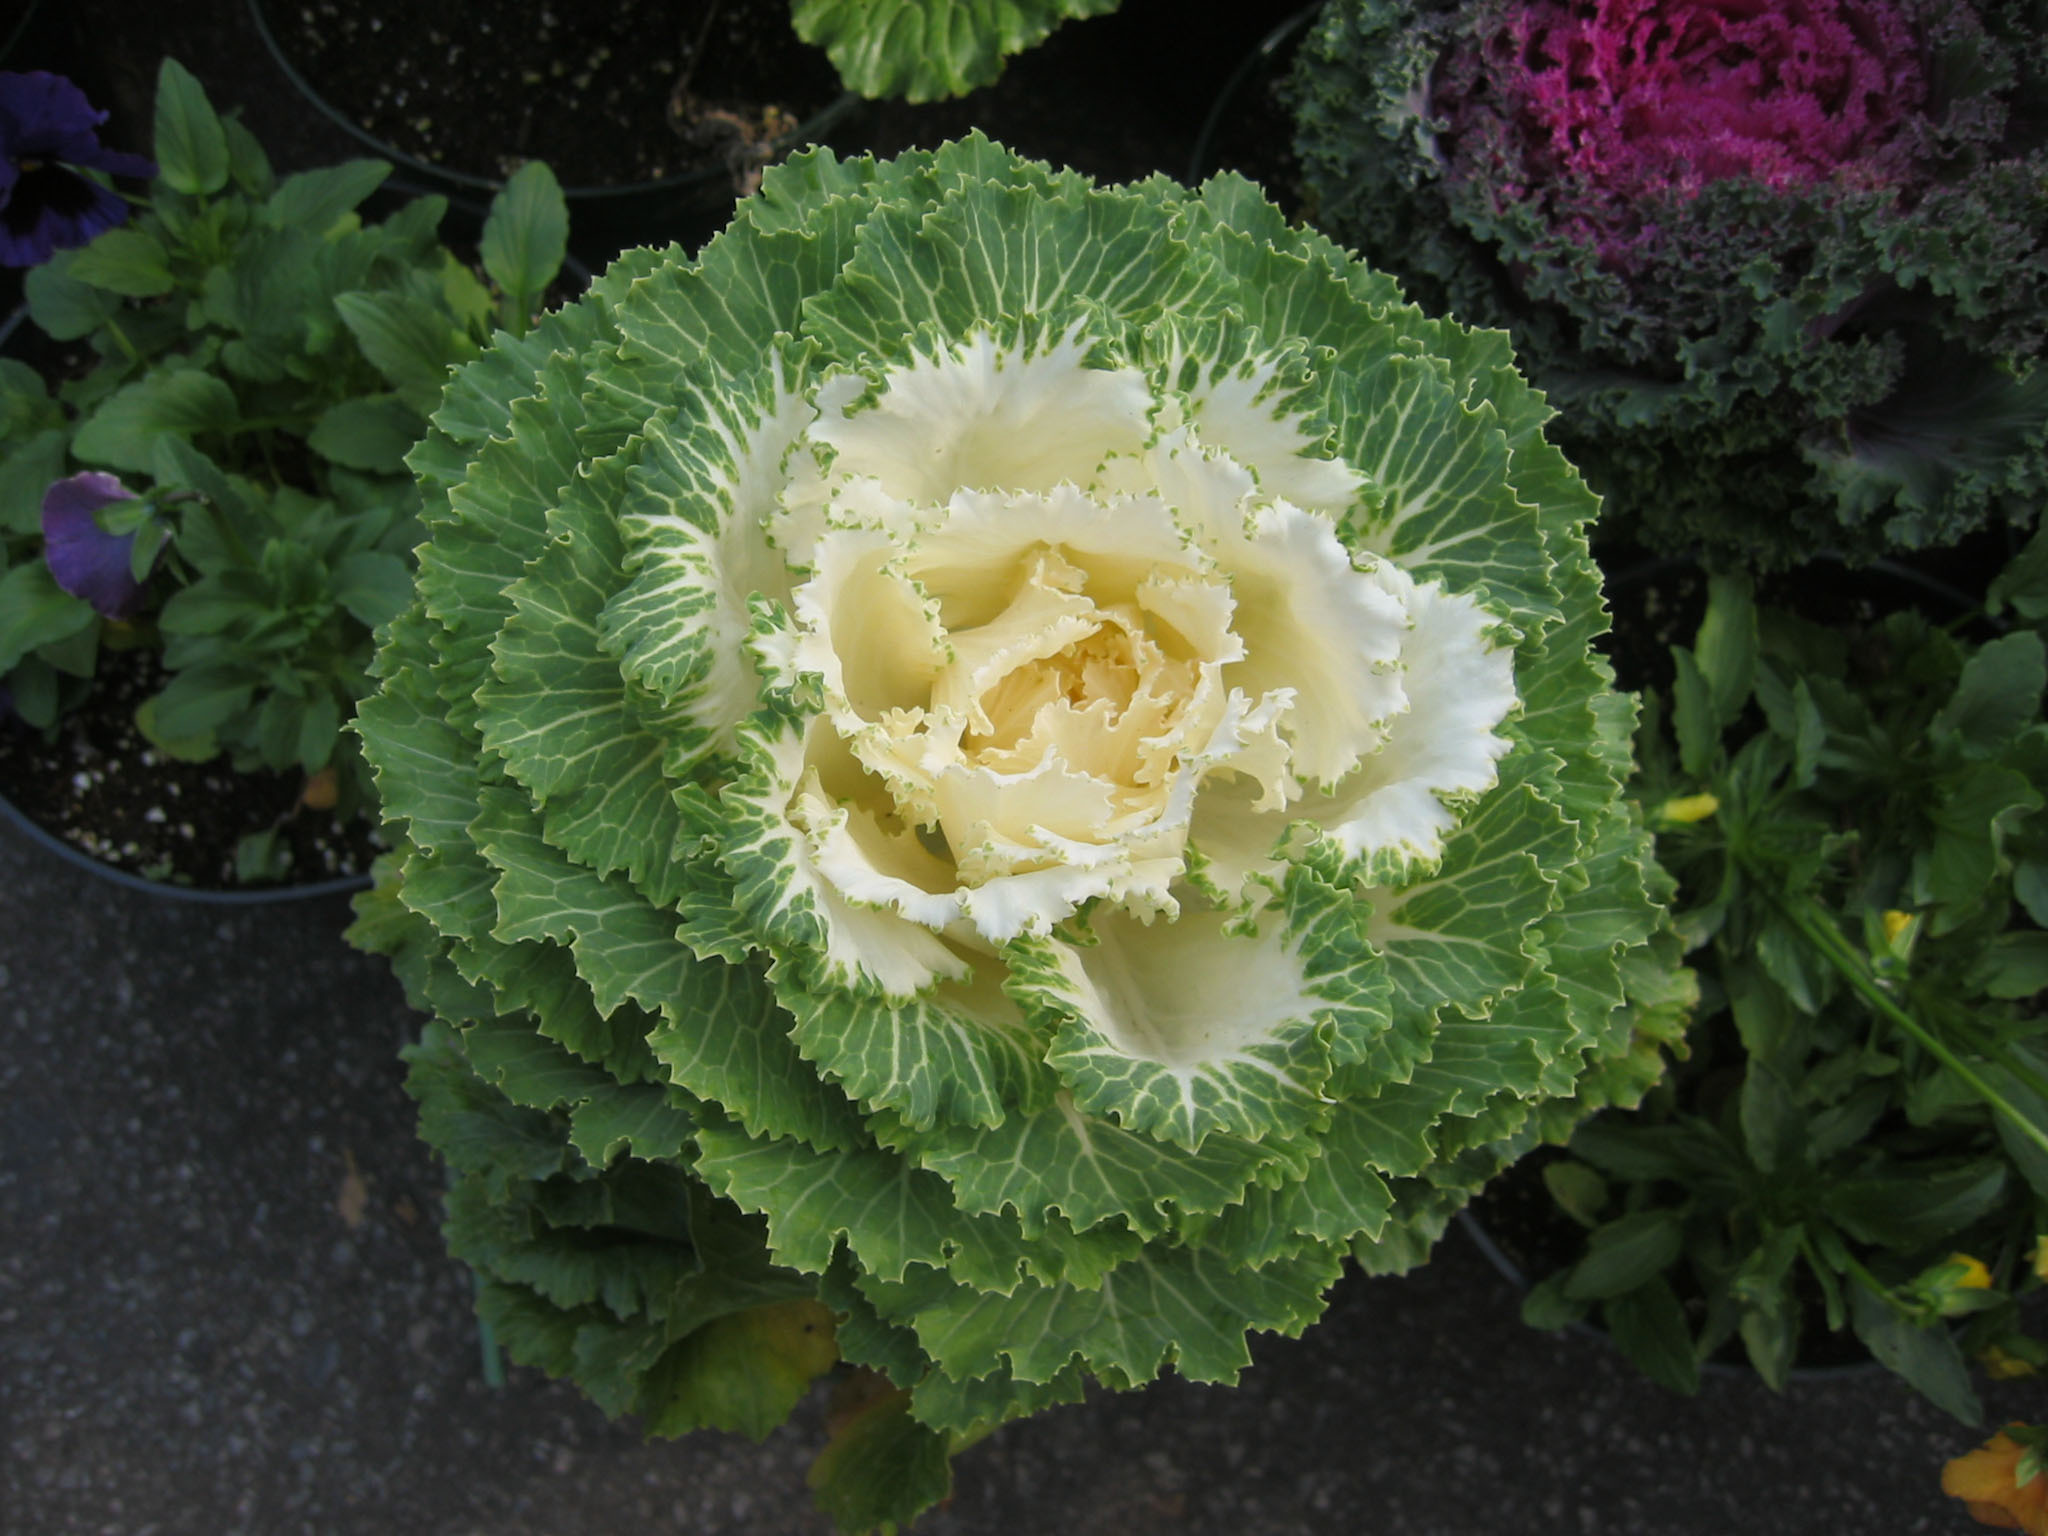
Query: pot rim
[
  {"x": 1199, "y": 168},
  {"x": 809, "y": 131},
  {"x": 240, "y": 896}
]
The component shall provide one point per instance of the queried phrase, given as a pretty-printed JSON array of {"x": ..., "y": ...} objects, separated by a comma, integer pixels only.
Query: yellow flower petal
[
  {"x": 1983, "y": 1480},
  {"x": 1975, "y": 1277},
  {"x": 1688, "y": 808}
]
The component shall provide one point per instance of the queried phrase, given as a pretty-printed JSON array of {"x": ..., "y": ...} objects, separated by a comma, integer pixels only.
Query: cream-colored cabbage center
[
  {"x": 1029, "y": 702},
  {"x": 1067, "y": 650}
]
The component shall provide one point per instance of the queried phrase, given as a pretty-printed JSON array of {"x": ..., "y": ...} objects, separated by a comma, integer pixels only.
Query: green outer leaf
[
  {"x": 891, "y": 1214},
  {"x": 1462, "y": 938},
  {"x": 925, "y": 50},
  {"x": 1174, "y": 1306},
  {"x": 556, "y": 708},
  {"x": 960, "y": 1054},
  {"x": 727, "y": 1042},
  {"x": 745, "y": 1371},
  {"x": 624, "y": 947},
  {"x": 1063, "y": 1162},
  {"x": 881, "y": 1470},
  {"x": 991, "y": 251}
]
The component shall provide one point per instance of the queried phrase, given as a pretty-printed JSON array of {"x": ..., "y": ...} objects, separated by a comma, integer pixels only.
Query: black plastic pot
[
  {"x": 241, "y": 896},
  {"x": 602, "y": 220},
  {"x": 1240, "y": 120}
]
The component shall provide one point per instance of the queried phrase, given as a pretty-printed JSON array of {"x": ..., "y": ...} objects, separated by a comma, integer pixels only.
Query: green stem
[
  {"x": 228, "y": 535},
  {"x": 114, "y": 330},
  {"x": 1829, "y": 941}
]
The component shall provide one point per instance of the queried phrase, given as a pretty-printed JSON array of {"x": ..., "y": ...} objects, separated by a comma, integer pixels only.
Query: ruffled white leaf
[
  {"x": 696, "y": 518},
  {"x": 786, "y": 822},
  {"x": 1460, "y": 683},
  {"x": 1245, "y": 411},
  {"x": 986, "y": 415},
  {"x": 967, "y": 561},
  {"x": 1308, "y": 621}
]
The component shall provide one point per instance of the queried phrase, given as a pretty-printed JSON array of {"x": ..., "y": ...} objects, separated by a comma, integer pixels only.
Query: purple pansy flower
[
  {"x": 86, "y": 560},
  {"x": 47, "y": 138}
]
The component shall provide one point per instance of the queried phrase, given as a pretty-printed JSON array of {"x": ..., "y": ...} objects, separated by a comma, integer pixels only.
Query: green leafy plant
[
  {"x": 258, "y": 361},
  {"x": 926, "y": 50},
  {"x": 1861, "y": 1134},
  {"x": 1016, "y": 761},
  {"x": 1782, "y": 269}
]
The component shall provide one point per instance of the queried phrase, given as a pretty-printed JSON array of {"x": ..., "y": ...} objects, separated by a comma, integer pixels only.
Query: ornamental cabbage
[
  {"x": 1018, "y": 760},
  {"x": 1783, "y": 268}
]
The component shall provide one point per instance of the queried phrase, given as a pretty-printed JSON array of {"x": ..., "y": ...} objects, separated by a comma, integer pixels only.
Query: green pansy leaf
[
  {"x": 372, "y": 585},
  {"x": 128, "y": 261},
  {"x": 191, "y": 148},
  {"x": 63, "y": 305},
  {"x": 1915, "y": 1207},
  {"x": 1924, "y": 1354},
  {"x": 313, "y": 201},
  {"x": 1648, "y": 1323},
  {"x": 526, "y": 235},
  {"x": 412, "y": 343},
  {"x": 1998, "y": 695},
  {"x": 1726, "y": 649},
  {"x": 371, "y": 432},
  {"x": 181, "y": 402},
  {"x": 35, "y": 612},
  {"x": 1624, "y": 1254}
]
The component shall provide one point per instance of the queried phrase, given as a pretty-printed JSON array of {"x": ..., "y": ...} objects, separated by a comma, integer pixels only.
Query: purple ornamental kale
[
  {"x": 48, "y": 138},
  {"x": 86, "y": 560}
]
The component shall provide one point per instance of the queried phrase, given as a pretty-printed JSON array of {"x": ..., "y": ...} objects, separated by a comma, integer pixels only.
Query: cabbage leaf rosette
[{"x": 1008, "y": 768}]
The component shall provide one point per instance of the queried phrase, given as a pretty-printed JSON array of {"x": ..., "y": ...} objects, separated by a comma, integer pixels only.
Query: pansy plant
[
  {"x": 227, "y": 478},
  {"x": 1019, "y": 760}
]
